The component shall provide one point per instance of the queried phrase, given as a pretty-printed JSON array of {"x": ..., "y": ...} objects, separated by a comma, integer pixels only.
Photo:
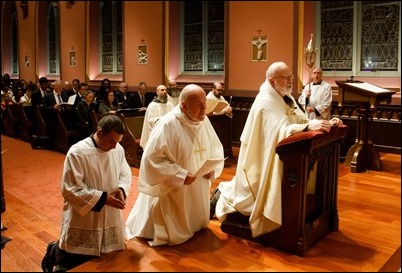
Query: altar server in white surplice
[
  {"x": 255, "y": 190},
  {"x": 173, "y": 202},
  {"x": 158, "y": 107},
  {"x": 316, "y": 97},
  {"x": 95, "y": 182}
]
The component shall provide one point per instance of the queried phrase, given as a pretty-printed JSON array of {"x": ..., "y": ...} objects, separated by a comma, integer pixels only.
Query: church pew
[
  {"x": 40, "y": 138},
  {"x": 133, "y": 121},
  {"x": 95, "y": 120},
  {"x": 27, "y": 124},
  {"x": 12, "y": 120},
  {"x": 66, "y": 132}
]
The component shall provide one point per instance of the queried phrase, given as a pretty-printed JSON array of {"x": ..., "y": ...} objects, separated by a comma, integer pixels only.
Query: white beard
[{"x": 284, "y": 91}]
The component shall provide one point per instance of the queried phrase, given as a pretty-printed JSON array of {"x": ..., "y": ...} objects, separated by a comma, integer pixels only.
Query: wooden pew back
[
  {"x": 66, "y": 134},
  {"x": 133, "y": 121}
]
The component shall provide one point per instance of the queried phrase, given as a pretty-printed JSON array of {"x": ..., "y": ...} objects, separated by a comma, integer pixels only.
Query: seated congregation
[{"x": 60, "y": 114}]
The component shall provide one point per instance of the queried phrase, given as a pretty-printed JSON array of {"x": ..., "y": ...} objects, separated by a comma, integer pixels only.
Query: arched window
[
  {"x": 14, "y": 42},
  {"x": 359, "y": 37},
  {"x": 10, "y": 46},
  {"x": 53, "y": 54},
  {"x": 203, "y": 44},
  {"x": 111, "y": 37}
]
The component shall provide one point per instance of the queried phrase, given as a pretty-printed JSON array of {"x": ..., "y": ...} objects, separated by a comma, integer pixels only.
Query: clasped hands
[
  {"x": 324, "y": 125},
  {"x": 190, "y": 178},
  {"x": 115, "y": 199}
]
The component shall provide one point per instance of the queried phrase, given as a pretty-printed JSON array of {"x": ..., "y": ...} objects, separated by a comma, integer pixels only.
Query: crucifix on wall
[
  {"x": 259, "y": 48},
  {"x": 142, "y": 54}
]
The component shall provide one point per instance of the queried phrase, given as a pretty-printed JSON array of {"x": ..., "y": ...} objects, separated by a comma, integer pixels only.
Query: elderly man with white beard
[{"x": 255, "y": 190}]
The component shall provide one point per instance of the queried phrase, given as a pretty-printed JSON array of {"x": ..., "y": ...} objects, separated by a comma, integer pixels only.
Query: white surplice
[
  {"x": 153, "y": 113},
  {"x": 89, "y": 171},
  {"x": 320, "y": 99},
  {"x": 167, "y": 211},
  {"x": 255, "y": 190}
]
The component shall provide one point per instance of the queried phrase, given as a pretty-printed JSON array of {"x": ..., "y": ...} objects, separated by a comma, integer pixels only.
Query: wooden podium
[
  {"x": 223, "y": 128},
  {"x": 308, "y": 214},
  {"x": 362, "y": 155}
]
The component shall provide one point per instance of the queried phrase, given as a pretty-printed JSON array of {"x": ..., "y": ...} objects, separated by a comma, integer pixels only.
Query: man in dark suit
[
  {"x": 140, "y": 99},
  {"x": 52, "y": 102},
  {"x": 39, "y": 93},
  {"x": 122, "y": 96},
  {"x": 74, "y": 88},
  {"x": 82, "y": 88}
]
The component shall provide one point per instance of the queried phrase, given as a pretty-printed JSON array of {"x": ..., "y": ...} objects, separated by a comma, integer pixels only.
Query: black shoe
[
  {"x": 60, "y": 268},
  {"x": 48, "y": 261},
  {"x": 212, "y": 202}
]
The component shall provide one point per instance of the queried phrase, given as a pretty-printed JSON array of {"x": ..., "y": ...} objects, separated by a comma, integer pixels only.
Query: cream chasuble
[
  {"x": 255, "y": 190},
  {"x": 167, "y": 211}
]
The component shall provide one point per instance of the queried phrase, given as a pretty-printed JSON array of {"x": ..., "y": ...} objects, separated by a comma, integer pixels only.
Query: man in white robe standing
[
  {"x": 255, "y": 190},
  {"x": 216, "y": 95},
  {"x": 173, "y": 200},
  {"x": 96, "y": 179},
  {"x": 158, "y": 107},
  {"x": 316, "y": 97}
]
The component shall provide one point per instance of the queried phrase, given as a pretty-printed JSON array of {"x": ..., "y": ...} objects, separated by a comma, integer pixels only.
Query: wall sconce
[{"x": 24, "y": 8}]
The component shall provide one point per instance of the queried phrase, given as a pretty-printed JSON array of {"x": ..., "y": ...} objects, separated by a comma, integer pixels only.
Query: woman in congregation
[
  {"x": 84, "y": 109},
  {"x": 109, "y": 105}
]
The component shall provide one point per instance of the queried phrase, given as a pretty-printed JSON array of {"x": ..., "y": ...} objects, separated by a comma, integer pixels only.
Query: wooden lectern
[
  {"x": 223, "y": 128},
  {"x": 362, "y": 155},
  {"x": 309, "y": 192}
]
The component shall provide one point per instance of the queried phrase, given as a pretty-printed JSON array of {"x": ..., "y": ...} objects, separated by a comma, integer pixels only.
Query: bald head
[
  {"x": 161, "y": 93},
  {"x": 190, "y": 91},
  {"x": 192, "y": 102},
  {"x": 276, "y": 69},
  {"x": 280, "y": 78},
  {"x": 161, "y": 87}
]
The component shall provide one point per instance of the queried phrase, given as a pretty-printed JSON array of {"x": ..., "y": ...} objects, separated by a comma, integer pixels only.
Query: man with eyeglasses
[
  {"x": 255, "y": 190},
  {"x": 316, "y": 97}
]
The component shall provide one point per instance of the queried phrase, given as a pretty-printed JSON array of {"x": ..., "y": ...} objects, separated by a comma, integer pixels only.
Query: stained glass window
[
  {"x": 111, "y": 48},
  {"x": 53, "y": 38},
  {"x": 14, "y": 42},
  {"x": 203, "y": 30},
  {"x": 359, "y": 36}
]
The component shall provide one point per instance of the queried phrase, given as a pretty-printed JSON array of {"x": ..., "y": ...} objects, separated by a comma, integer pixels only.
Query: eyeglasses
[{"x": 288, "y": 78}]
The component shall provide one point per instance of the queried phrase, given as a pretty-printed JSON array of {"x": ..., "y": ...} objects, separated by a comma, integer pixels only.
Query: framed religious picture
[
  {"x": 142, "y": 54},
  {"x": 26, "y": 60},
  {"x": 259, "y": 48},
  {"x": 72, "y": 58}
]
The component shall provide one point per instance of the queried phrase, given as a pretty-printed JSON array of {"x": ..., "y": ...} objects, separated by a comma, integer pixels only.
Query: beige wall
[
  {"x": 73, "y": 39},
  {"x": 275, "y": 19},
  {"x": 27, "y": 38},
  {"x": 287, "y": 25},
  {"x": 143, "y": 21}
]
